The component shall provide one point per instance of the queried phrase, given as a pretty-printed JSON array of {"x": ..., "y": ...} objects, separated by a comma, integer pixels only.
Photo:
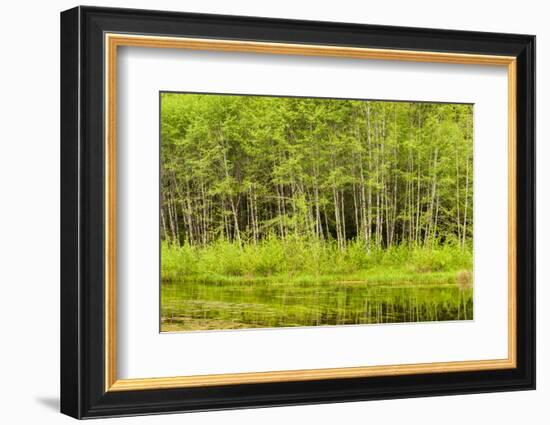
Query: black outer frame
[{"x": 82, "y": 212}]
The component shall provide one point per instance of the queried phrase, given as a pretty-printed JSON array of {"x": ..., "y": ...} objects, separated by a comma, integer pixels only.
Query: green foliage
[
  {"x": 244, "y": 168},
  {"x": 298, "y": 257},
  {"x": 302, "y": 211}
]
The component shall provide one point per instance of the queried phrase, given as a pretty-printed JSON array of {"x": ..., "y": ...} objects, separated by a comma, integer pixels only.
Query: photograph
[{"x": 280, "y": 211}]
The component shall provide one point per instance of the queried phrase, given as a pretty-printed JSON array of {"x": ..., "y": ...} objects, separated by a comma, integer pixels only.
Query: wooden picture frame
[{"x": 90, "y": 38}]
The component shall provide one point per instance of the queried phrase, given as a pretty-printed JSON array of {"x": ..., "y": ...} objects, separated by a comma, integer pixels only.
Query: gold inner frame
[{"x": 113, "y": 41}]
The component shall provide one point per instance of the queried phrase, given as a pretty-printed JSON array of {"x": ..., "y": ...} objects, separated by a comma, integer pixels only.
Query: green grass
[{"x": 294, "y": 282}]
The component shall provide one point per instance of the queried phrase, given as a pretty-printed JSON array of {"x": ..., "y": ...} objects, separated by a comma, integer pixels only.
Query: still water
[{"x": 191, "y": 305}]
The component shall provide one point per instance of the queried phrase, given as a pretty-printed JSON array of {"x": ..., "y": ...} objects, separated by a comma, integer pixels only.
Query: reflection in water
[{"x": 191, "y": 305}]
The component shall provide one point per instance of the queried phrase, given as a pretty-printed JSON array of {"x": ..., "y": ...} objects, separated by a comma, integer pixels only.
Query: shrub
[{"x": 297, "y": 255}]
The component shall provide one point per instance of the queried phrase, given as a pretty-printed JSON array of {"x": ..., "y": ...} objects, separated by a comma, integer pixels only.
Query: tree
[{"x": 241, "y": 168}]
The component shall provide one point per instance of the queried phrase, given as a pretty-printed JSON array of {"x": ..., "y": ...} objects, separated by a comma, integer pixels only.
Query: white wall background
[{"x": 29, "y": 213}]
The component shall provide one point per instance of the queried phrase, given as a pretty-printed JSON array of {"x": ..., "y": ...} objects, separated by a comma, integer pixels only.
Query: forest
[{"x": 282, "y": 211}]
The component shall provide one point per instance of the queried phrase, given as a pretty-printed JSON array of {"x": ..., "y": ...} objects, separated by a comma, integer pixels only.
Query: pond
[{"x": 192, "y": 305}]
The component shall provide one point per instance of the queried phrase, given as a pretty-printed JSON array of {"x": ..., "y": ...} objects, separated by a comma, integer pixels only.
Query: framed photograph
[{"x": 261, "y": 212}]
